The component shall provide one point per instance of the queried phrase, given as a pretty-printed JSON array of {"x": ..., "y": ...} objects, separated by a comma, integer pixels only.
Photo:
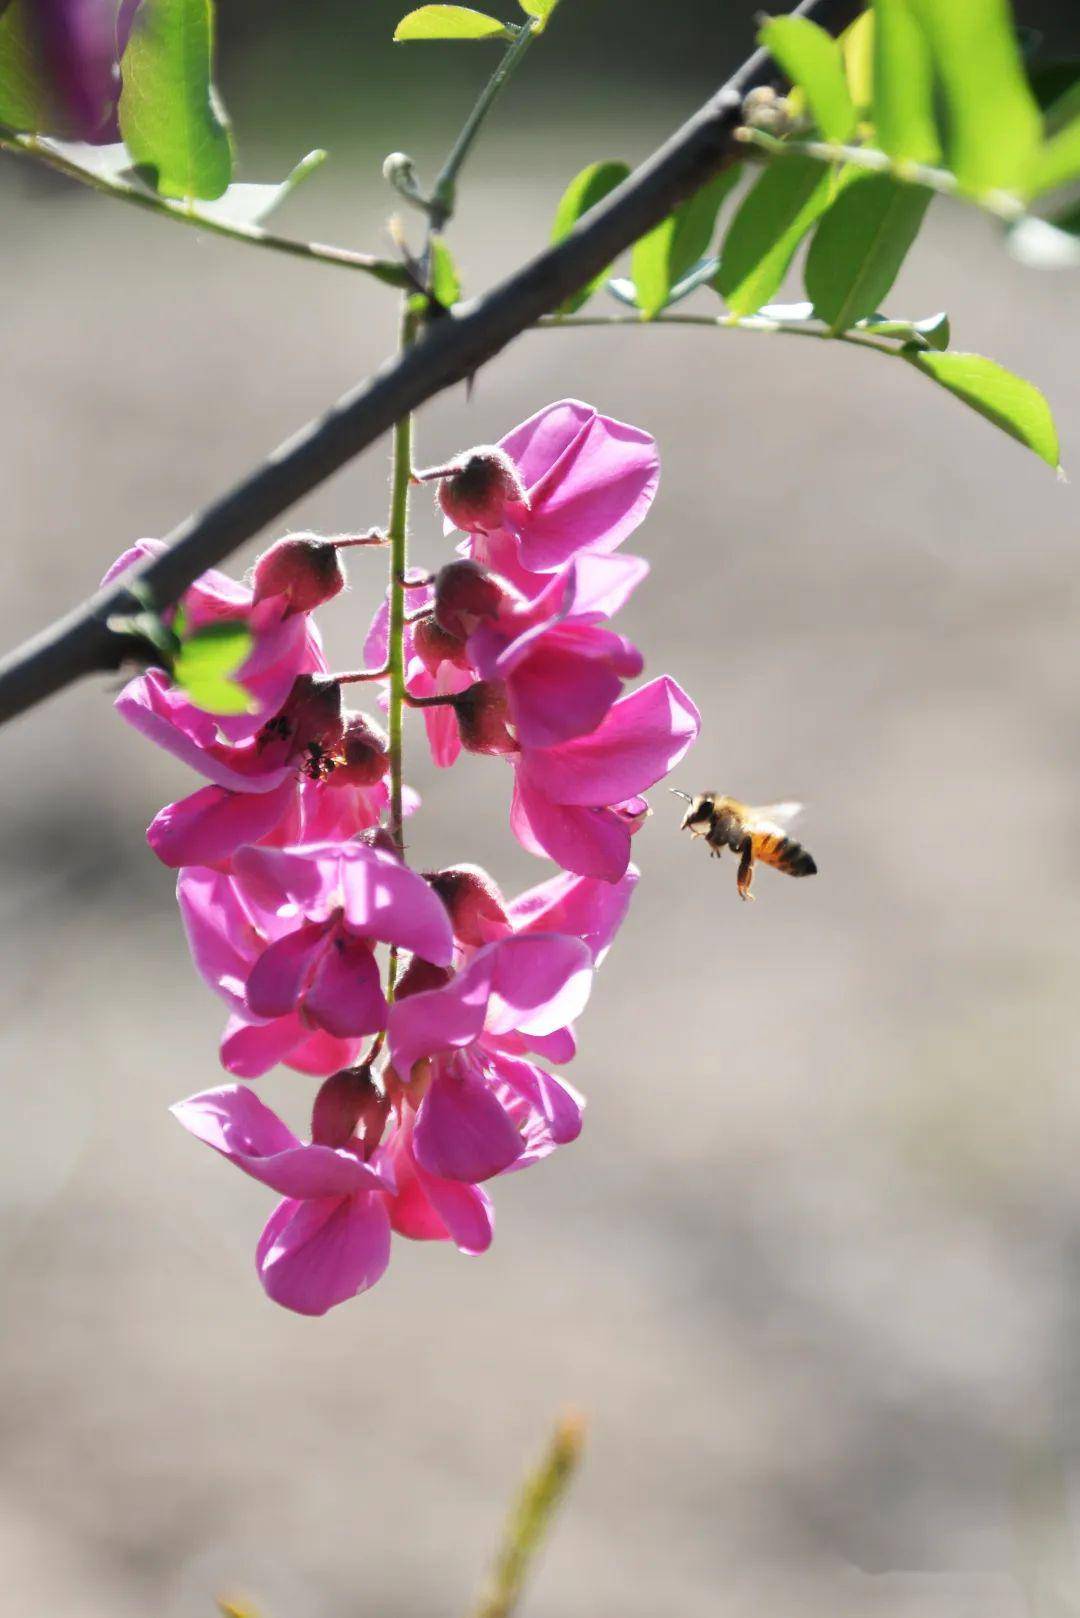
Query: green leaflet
[
  {"x": 661, "y": 259},
  {"x": 813, "y": 60},
  {"x": 772, "y": 220},
  {"x": 993, "y": 119},
  {"x": 205, "y": 664},
  {"x": 445, "y": 281},
  {"x": 585, "y": 190},
  {"x": 1012, "y": 404},
  {"x": 449, "y": 22},
  {"x": 859, "y": 246},
  {"x": 903, "y": 85},
  {"x": 171, "y": 120}
]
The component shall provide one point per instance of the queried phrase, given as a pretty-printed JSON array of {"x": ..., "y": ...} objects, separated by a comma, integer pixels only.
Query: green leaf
[
  {"x": 445, "y": 281},
  {"x": 931, "y": 332},
  {"x": 171, "y": 120},
  {"x": 903, "y": 85},
  {"x": 813, "y": 60},
  {"x": 1057, "y": 161},
  {"x": 857, "y": 48},
  {"x": 449, "y": 22},
  {"x": 1012, "y": 404},
  {"x": 761, "y": 240},
  {"x": 25, "y": 103},
  {"x": 245, "y": 204},
  {"x": 540, "y": 11},
  {"x": 584, "y": 192},
  {"x": 205, "y": 664},
  {"x": 1056, "y": 87},
  {"x": 662, "y": 258},
  {"x": 859, "y": 246},
  {"x": 1042, "y": 244},
  {"x": 994, "y": 123}
]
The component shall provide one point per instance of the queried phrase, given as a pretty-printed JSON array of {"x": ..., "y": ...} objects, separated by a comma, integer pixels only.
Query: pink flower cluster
[{"x": 435, "y": 1064}]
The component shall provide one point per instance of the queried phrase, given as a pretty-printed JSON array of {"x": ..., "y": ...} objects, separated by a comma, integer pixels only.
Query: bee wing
[{"x": 773, "y": 816}]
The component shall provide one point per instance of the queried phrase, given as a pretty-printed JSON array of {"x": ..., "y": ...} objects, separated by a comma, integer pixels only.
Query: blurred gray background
[{"x": 813, "y": 1270}]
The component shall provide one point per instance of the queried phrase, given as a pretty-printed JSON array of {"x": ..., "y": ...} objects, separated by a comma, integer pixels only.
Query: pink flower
[
  {"x": 420, "y": 681},
  {"x": 287, "y": 940},
  {"x": 589, "y": 481},
  {"x": 583, "y": 907},
  {"x": 485, "y": 1107},
  {"x": 226, "y": 749},
  {"x": 578, "y": 802},
  {"x": 329, "y": 1239},
  {"x": 562, "y": 671}
]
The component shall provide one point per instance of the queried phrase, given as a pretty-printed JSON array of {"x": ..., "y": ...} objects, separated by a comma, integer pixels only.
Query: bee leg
[{"x": 746, "y": 870}]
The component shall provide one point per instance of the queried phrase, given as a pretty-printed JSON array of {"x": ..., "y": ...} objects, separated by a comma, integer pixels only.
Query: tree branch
[{"x": 451, "y": 350}]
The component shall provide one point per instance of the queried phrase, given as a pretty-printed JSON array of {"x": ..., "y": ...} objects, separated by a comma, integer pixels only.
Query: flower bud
[
  {"x": 305, "y": 570},
  {"x": 481, "y": 715},
  {"x": 436, "y": 646},
  {"x": 473, "y": 902},
  {"x": 476, "y": 487},
  {"x": 348, "y": 1104},
  {"x": 363, "y": 755},
  {"x": 419, "y": 976},
  {"x": 465, "y": 594}
]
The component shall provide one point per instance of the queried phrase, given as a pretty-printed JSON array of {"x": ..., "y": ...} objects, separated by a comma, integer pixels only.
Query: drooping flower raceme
[{"x": 431, "y": 1009}]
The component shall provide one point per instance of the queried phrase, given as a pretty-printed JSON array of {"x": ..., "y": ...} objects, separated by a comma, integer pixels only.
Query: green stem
[
  {"x": 441, "y": 206},
  {"x": 531, "y": 1518},
  {"x": 397, "y": 533},
  {"x": 793, "y": 328},
  {"x": 1000, "y": 204},
  {"x": 27, "y": 146}
]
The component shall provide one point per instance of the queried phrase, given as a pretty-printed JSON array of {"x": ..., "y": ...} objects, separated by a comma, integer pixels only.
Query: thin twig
[
  {"x": 441, "y": 205},
  {"x": 531, "y": 1518},
  {"x": 321, "y": 252},
  {"x": 450, "y": 350}
]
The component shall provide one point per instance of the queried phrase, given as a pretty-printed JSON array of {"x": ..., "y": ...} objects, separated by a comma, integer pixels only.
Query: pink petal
[
  {"x": 441, "y": 1019},
  {"x": 464, "y": 1210},
  {"x": 313, "y": 1255},
  {"x": 242, "y": 1128},
  {"x": 557, "y": 694},
  {"x": 539, "y": 982},
  {"x": 462, "y": 1133},
  {"x": 211, "y": 824},
  {"x": 141, "y": 704},
  {"x": 643, "y": 737},
  {"x": 590, "y": 842},
  {"x": 321, "y": 1054},
  {"x": 579, "y": 905},
  {"x": 141, "y": 551},
  {"x": 556, "y": 1104},
  {"x": 444, "y": 737},
  {"x": 345, "y": 996},
  {"x": 250, "y": 1048},
  {"x": 307, "y": 877},
  {"x": 602, "y": 584},
  {"x": 386, "y": 900},
  {"x": 220, "y": 934},
  {"x": 279, "y": 978}
]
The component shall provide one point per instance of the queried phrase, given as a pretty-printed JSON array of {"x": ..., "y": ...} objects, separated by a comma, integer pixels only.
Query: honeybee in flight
[{"x": 753, "y": 834}]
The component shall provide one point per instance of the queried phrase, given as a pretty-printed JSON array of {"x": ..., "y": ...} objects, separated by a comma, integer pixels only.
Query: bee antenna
[{"x": 677, "y": 794}]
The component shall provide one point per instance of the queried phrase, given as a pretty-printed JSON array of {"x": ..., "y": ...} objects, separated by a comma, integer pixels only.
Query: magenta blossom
[
  {"x": 579, "y": 802},
  {"x": 287, "y": 939},
  {"x": 329, "y": 1239},
  {"x": 561, "y": 669},
  {"x": 422, "y": 678},
  {"x": 463, "y": 1048},
  {"x": 228, "y": 749},
  {"x": 589, "y": 481},
  {"x": 583, "y": 907}
]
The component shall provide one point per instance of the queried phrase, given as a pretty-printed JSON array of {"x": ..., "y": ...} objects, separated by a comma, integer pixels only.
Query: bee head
[{"x": 698, "y": 818}]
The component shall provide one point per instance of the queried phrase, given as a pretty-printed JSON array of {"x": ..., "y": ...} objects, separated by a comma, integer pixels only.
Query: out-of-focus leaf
[
  {"x": 696, "y": 276},
  {"x": 623, "y": 290},
  {"x": 787, "y": 312},
  {"x": 931, "y": 332},
  {"x": 205, "y": 664},
  {"x": 584, "y": 192},
  {"x": 25, "y": 102},
  {"x": 660, "y": 259},
  {"x": 859, "y": 246},
  {"x": 1057, "y": 161},
  {"x": 903, "y": 85},
  {"x": 111, "y": 163},
  {"x": 245, "y": 204},
  {"x": 170, "y": 117},
  {"x": 445, "y": 281},
  {"x": 1012, "y": 404},
  {"x": 993, "y": 121},
  {"x": 812, "y": 59},
  {"x": 769, "y": 225},
  {"x": 539, "y": 10},
  {"x": 857, "y": 48},
  {"x": 449, "y": 22},
  {"x": 1056, "y": 87},
  {"x": 1041, "y": 244}
]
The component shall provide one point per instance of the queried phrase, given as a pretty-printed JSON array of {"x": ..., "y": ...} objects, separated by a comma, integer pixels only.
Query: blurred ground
[{"x": 814, "y": 1268}]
